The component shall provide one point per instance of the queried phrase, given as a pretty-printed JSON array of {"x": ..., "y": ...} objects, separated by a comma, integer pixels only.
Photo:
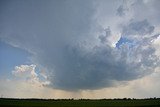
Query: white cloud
[
  {"x": 156, "y": 44},
  {"x": 25, "y": 70},
  {"x": 27, "y": 73}
]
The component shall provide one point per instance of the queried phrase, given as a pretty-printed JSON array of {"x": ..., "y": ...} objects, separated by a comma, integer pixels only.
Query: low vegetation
[{"x": 152, "y": 102}]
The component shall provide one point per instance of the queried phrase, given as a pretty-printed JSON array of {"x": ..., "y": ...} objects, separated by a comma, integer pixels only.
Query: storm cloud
[
  {"x": 139, "y": 28},
  {"x": 121, "y": 10},
  {"x": 64, "y": 37}
]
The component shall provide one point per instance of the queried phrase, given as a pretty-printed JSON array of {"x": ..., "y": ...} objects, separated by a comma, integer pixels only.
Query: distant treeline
[
  {"x": 154, "y": 98},
  {"x": 116, "y": 102}
]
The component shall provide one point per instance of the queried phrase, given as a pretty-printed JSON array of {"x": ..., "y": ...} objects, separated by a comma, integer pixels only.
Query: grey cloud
[
  {"x": 146, "y": 9},
  {"x": 103, "y": 38},
  {"x": 102, "y": 66},
  {"x": 54, "y": 31},
  {"x": 92, "y": 70},
  {"x": 121, "y": 10},
  {"x": 138, "y": 28}
]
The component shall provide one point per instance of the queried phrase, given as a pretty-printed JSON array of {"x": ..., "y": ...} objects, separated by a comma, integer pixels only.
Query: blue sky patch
[
  {"x": 11, "y": 57},
  {"x": 124, "y": 40}
]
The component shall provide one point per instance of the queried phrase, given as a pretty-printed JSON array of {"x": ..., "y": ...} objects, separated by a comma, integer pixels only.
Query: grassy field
[{"x": 79, "y": 103}]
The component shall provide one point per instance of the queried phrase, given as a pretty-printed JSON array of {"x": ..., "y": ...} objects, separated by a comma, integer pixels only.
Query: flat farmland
[{"x": 4, "y": 102}]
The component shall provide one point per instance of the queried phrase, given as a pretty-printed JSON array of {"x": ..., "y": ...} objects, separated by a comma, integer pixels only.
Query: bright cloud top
[
  {"x": 25, "y": 70},
  {"x": 27, "y": 74},
  {"x": 84, "y": 44}
]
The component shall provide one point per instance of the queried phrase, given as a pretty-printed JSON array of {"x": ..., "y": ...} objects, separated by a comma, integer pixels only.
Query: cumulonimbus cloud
[{"x": 62, "y": 38}]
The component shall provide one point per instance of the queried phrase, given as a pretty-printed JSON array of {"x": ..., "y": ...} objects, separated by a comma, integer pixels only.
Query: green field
[{"x": 79, "y": 103}]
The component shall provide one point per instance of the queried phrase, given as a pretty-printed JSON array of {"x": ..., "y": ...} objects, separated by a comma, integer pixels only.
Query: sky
[{"x": 79, "y": 48}]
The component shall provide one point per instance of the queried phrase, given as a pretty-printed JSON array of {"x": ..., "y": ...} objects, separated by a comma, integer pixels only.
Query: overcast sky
[{"x": 79, "y": 48}]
